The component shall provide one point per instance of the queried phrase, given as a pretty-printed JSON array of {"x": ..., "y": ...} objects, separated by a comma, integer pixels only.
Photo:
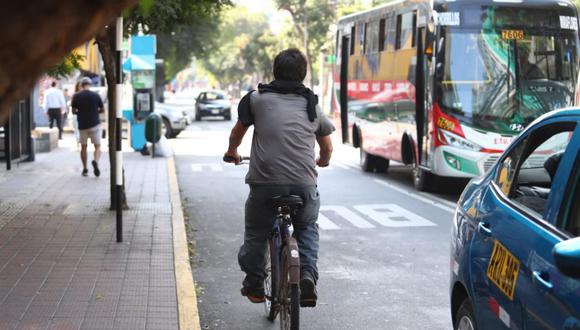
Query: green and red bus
[{"x": 444, "y": 86}]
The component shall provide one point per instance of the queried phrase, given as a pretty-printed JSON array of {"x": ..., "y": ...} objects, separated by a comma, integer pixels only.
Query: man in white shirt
[{"x": 54, "y": 106}]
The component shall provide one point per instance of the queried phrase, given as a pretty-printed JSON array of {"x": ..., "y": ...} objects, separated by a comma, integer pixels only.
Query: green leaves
[{"x": 67, "y": 66}]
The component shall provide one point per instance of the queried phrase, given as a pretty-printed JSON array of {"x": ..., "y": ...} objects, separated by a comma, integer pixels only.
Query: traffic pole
[{"x": 119, "y": 133}]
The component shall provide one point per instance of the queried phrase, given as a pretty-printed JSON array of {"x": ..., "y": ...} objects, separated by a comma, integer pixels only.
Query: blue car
[{"x": 515, "y": 247}]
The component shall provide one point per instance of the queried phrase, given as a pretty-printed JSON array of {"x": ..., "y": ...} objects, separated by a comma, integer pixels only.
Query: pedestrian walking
[
  {"x": 75, "y": 122},
  {"x": 87, "y": 105},
  {"x": 54, "y": 107}
]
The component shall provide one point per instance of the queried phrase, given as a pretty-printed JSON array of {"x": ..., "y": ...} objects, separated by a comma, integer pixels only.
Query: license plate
[
  {"x": 215, "y": 111},
  {"x": 503, "y": 269}
]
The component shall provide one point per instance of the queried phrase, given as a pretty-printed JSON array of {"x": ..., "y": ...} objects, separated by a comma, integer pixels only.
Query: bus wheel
[
  {"x": 367, "y": 162},
  {"x": 381, "y": 165},
  {"x": 423, "y": 180}
]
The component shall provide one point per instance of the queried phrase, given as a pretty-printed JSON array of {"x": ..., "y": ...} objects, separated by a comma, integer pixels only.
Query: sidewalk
[{"x": 60, "y": 265}]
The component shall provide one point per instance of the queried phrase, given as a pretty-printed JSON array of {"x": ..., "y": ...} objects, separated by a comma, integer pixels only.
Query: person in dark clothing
[
  {"x": 287, "y": 124},
  {"x": 87, "y": 105}
]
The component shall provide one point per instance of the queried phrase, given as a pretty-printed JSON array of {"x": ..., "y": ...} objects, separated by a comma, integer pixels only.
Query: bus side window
[
  {"x": 405, "y": 30},
  {"x": 414, "y": 29},
  {"x": 390, "y": 34},
  {"x": 352, "y": 39},
  {"x": 382, "y": 35},
  {"x": 398, "y": 33}
]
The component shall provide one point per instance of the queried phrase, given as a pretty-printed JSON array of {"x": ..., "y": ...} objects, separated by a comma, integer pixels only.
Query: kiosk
[{"x": 141, "y": 67}]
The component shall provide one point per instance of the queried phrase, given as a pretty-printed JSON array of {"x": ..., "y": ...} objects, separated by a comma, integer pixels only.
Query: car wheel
[
  {"x": 228, "y": 118},
  {"x": 465, "y": 319},
  {"x": 197, "y": 117},
  {"x": 166, "y": 128},
  {"x": 423, "y": 180}
]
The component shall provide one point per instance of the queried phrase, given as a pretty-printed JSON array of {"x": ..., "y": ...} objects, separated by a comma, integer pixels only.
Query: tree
[
  {"x": 246, "y": 48},
  {"x": 67, "y": 66},
  {"x": 312, "y": 20},
  {"x": 151, "y": 17},
  {"x": 32, "y": 42}
]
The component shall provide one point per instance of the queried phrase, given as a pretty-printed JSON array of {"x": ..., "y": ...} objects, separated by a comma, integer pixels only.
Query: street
[{"x": 384, "y": 248}]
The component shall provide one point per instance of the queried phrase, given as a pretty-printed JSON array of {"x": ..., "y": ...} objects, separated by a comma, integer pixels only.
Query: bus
[{"x": 444, "y": 86}]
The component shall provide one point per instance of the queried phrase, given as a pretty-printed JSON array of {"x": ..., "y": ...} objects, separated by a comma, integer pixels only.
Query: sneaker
[
  {"x": 308, "y": 294},
  {"x": 257, "y": 296},
  {"x": 85, "y": 172},
  {"x": 96, "y": 168}
]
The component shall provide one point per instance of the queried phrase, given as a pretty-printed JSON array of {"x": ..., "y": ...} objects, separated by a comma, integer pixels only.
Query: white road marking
[
  {"x": 325, "y": 223},
  {"x": 348, "y": 215},
  {"x": 439, "y": 203},
  {"x": 204, "y": 167},
  {"x": 342, "y": 165},
  {"x": 392, "y": 215}
]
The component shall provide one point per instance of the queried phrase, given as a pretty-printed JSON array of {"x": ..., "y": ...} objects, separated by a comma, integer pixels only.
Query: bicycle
[{"x": 282, "y": 282}]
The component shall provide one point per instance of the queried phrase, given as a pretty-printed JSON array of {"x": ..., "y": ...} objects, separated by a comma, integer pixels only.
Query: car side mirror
[{"x": 567, "y": 257}]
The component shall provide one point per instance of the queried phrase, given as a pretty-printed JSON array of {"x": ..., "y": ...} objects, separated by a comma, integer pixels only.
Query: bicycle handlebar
[{"x": 230, "y": 159}]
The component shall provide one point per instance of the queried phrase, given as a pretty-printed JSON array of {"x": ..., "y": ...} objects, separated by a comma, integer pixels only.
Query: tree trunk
[{"x": 106, "y": 42}]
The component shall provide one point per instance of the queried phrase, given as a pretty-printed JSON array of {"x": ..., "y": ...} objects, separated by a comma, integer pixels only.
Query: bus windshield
[{"x": 501, "y": 77}]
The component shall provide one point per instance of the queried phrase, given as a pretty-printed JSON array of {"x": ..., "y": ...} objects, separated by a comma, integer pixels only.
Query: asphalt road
[{"x": 384, "y": 252}]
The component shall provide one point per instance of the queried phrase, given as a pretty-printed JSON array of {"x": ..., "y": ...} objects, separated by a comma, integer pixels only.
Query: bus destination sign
[{"x": 512, "y": 34}]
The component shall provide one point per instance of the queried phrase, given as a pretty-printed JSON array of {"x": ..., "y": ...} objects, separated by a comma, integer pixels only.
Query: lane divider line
[
  {"x": 186, "y": 297},
  {"x": 426, "y": 200}
]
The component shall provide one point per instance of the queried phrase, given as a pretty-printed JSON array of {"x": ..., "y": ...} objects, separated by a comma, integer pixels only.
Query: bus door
[
  {"x": 423, "y": 98},
  {"x": 344, "y": 55}
]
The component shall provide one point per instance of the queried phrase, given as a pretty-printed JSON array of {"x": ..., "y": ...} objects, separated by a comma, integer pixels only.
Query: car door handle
[
  {"x": 484, "y": 229},
  {"x": 543, "y": 280}
]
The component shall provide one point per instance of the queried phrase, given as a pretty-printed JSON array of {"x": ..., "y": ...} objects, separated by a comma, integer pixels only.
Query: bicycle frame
[{"x": 280, "y": 238}]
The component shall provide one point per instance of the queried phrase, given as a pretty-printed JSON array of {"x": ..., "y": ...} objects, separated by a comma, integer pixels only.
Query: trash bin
[{"x": 153, "y": 128}]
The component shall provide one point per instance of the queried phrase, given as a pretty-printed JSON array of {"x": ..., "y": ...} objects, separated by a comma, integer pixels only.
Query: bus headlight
[{"x": 455, "y": 140}]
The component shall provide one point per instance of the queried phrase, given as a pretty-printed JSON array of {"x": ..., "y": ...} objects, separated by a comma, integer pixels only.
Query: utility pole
[{"x": 119, "y": 135}]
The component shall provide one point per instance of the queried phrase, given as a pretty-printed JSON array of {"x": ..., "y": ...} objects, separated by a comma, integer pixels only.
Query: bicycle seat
[{"x": 291, "y": 201}]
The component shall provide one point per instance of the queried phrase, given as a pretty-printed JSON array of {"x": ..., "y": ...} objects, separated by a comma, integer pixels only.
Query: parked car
[
  {"x": 174, "y": 120},
  {"x": 515, "y": 247},
  {"x": 212, "y": 103}
]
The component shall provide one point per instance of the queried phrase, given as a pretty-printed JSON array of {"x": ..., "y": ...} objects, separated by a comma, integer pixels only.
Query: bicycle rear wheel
[
  {"x": 288, "y": 296},
  {"x": 270, "y": 285}
]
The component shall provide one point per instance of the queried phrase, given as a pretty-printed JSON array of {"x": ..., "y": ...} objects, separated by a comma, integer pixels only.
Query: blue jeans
[{"x": 260, "y": 216}]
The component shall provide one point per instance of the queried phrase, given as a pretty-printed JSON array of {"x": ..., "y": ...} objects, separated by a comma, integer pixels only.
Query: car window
[
  {"x": 571, "y": 217},
  {"x": 508, "y": 166},
  {"x": 572, "y": 223},
  {"x": 214, "y": 96},
  {"x": 526, "y": 176}
]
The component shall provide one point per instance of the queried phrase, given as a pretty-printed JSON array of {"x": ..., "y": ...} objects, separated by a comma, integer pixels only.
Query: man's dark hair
[
  {"x": 53, "y": 84},
  {"x": 290, "y": 65}
]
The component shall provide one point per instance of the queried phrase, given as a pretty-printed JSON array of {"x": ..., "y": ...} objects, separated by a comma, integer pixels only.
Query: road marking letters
[{"x": 385, "y": 215}]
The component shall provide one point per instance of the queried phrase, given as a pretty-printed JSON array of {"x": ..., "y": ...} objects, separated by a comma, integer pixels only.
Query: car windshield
[
  {"x": 501, "y": 77},
  {"x": 211, "y": 96}
]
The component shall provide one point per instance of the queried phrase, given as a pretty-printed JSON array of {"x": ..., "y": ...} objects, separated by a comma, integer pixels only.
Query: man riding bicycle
[{"x": 287, "y": 122}]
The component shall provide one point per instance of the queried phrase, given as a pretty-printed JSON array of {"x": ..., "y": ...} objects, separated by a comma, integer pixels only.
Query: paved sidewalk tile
[{"x": 60, "y": 264}]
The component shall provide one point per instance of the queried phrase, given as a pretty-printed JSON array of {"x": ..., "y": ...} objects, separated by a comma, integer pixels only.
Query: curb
[{"x": 186, "y": 297}]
